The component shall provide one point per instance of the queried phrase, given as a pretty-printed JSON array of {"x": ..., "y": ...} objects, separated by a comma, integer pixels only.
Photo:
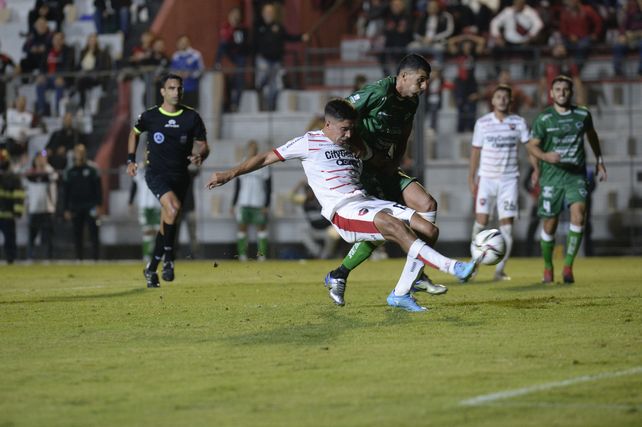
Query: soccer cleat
[
  {"x": 500, "y": 276},
  {"x": 406, "y": 302},
  {"x": 336, "y": 289},
  {"x": 168, "y": 271},
  {"x": 424, "y": 284},
  {"x": 567, "y": 274},
  {"x": 152, "y": 278},
  {"x": 548, "y": 276},
  {"x": 463, "y": 270}
]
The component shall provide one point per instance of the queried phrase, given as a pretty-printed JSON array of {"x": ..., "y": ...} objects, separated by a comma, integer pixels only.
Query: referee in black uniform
[{"x": 176, "y": 136}]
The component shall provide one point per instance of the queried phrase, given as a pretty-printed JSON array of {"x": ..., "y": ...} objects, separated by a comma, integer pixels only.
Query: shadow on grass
[
  {"x": 537, "y": 286},
  {"x": 72, "y": 298},
  {"x": 333, "y": 323}
]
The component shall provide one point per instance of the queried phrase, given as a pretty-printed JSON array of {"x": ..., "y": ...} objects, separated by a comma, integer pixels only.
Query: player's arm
[
  {"x": 475, "y": 154},
  {"x": 250, "y": 165},
  {"x": 200, "y": 152},
  {"x": 534, "y": 149},
  {"x": 132, "y": 145},
  {"x": 594, "y": 142}
]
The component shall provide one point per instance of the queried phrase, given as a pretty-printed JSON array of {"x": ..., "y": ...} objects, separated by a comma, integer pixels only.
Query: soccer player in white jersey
[
  {"x": 332, "y": 161},
  {"x": 494, "y": 169}
]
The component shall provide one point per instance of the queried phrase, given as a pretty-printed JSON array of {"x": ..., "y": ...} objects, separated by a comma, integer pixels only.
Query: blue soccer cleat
[
  {"x": 336, "y": 289},
  {"x": 464, "y": 270},
  {"x": 406, "y": 302}
]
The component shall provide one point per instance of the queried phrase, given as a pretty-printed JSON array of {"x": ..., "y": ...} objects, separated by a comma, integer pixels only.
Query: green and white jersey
[
  {"x": 385, "y": 118},
  {"x": 563, "y": 133}
]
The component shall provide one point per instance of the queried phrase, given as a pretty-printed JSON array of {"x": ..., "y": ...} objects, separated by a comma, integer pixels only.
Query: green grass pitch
[{"x": 260, "y": 344}]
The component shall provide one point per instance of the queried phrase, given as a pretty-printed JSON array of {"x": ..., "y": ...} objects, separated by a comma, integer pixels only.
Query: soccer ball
[{"x": 488, "y": 247}]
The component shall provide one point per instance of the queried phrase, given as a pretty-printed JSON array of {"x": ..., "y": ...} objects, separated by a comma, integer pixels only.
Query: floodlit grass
[{"x": 260, "y": 344}]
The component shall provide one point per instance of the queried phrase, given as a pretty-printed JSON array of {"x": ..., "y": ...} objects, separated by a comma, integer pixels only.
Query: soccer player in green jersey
[
  {"x": 557, "y": 142},
  {"x": 386, "y": 114}
]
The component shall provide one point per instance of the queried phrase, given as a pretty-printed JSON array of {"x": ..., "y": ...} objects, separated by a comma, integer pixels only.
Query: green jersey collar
[{"x": 167, "y": 113}]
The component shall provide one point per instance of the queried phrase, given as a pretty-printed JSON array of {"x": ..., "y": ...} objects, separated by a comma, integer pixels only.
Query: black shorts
[{"x": 161, "y": 184}]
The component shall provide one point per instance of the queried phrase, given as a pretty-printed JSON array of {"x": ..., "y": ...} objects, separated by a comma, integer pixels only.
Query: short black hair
[
  {"x": 340, "y": 109},
  {"x": 505, "y": 88},
  {"x": 563, "y": 78},
  {"x": 414, "y": 62},
  {"x": 170, "y": 76}
]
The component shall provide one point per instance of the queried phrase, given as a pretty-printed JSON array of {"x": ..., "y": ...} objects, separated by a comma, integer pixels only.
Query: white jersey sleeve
[{"x": 296, "y": 148}]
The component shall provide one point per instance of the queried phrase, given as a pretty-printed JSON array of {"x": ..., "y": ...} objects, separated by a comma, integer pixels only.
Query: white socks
[
  {"x": 409, "y": 274},
  {"x": 507, "y": 234}
]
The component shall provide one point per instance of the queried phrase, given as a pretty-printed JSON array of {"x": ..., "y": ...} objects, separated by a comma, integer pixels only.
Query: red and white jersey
[
  {"x": 498, "y": 140},
  {"x": 332, "y": 170}
]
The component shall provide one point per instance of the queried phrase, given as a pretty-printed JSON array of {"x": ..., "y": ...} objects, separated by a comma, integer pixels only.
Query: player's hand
[
  {"x": 600, "y": 172},
  {"x": 196, "y": 159},
  {"x": 132, "y": 168},
  {"x": 217, "y": 179},
  {"x": 552, "y": 157}
]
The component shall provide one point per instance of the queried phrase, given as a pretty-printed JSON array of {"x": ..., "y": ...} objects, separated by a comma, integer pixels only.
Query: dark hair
[
  {"x": 340, "y": 109},
  {"x": 505, "y": 88},
  {"x": 170, "y": 76},
  {"x": 413, "y": 62},
  {"x": 563, "y": 78}
]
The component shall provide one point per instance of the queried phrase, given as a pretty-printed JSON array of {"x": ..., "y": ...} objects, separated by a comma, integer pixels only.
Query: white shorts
[
  {"x": 501, "y": 191},
  {"x": 354, "y": 221}
]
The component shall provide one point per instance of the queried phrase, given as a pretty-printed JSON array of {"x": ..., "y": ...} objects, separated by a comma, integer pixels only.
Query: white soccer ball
[{"x": 488, "y": 247}]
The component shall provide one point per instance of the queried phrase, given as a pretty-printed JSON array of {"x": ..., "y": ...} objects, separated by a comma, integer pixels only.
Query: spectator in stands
[
  {"x": 161, "y": 61},
  {"x": 8, "y": 69},
  {"x": 269, "y": 41},
  {"x": 629, "y": 37},
  {"x": 434, "y": 96},
  {"x": 432, "y": 32},
  {"x": 371, "y": 19},
  {"x": 187, "y": 62},
  {"x": 514, "y": 30},
  {"x": 51, "y": 10},
  {"x": 519, "y": 98},
  {"x": 466, "y": 90},
  {"x": 143, "y": 51},
  {"x": 317, "y": 228},
  {"x": 42, "y": 194},
  {"x": 36, "y": 47},
  {"x": 580, "y": 27},
  {"x": 60, "y": 59},
  {"x": 62, "y": 142},
  {"x": 93, "y": 59},
  {"x": 398, "y": 33},
  {"x": 251, "y": 204},
  {"x": 11, "y": 205},
  {"x": 82, "y": 200},
  {"x": 463, "y": 17},
  {"x": 111, "y": 16},
  {"x": 483, "y": 12},
  {"x": 233, "y": 44},
  {"x": 21, "y": 125}
]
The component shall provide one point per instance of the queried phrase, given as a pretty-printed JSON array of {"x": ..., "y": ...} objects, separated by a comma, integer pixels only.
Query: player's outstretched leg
[
  {"x": 401, "y": 297},
  {"x": 337, "y": 279}
]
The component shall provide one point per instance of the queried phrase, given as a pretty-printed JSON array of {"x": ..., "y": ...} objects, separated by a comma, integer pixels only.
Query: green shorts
[
  {"x": 563, "y": 188},
  {"x": 248, "y": 215},
  {"x": 386, "y": 187}
]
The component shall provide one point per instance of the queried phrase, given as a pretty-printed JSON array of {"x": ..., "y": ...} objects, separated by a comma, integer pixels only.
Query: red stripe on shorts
[{"x": 354, "y": 225}]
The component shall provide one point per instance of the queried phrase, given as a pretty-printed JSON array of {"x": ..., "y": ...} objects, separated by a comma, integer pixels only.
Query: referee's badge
[{"x": 159, "y": 138}]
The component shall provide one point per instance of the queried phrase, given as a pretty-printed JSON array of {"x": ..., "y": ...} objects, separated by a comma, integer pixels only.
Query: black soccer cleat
[
  {"x": 168, "y": 271},
  {"x": 152, "y": 278}
]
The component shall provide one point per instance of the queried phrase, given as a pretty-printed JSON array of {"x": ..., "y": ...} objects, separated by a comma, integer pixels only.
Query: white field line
[
  {"x": 588, "y": 405},
  {"x": 508, "y": 394}
]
